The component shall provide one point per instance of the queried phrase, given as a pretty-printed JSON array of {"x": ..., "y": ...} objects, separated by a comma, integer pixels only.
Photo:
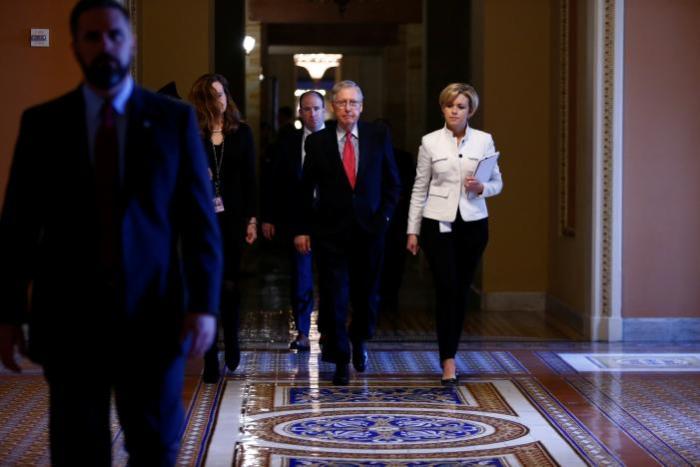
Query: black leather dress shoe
[
  {"x": 299, "y": 346},
  {"x": 341, "y": 377},
  {"x": 359, "y": 357},
  {"x": 327, "y": 355},
  {"x": 211, "y": 372}
]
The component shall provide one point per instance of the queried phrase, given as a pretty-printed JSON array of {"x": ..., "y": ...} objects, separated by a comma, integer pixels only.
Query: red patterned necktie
[
  {"x": 106, "y": 154},
  {"x": 349, "y": 159}
]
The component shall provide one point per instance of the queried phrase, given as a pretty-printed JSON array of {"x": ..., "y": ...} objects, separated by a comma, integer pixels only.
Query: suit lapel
[
  {"x": 296, "y": 153},
  {"x": 337, "y": 162},
  {"x": 76, "y": 126},
  {"x": 138, "y": 134}
]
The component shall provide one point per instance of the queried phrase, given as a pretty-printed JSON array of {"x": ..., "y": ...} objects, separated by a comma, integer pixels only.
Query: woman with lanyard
[{"x": 231, "y": 154}]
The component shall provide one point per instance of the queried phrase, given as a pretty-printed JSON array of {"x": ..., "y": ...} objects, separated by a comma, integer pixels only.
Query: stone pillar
[{"x": 229, "y": 57}]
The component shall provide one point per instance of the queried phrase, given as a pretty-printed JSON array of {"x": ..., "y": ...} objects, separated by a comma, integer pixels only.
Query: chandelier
[{"x": 317, "y": 64}]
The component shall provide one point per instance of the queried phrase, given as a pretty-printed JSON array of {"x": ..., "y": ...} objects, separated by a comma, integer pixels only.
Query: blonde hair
[{"x": 451, "y": 91}]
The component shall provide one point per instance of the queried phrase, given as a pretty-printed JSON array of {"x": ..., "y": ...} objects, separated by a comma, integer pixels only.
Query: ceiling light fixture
[{"x": 317, "y": 64}]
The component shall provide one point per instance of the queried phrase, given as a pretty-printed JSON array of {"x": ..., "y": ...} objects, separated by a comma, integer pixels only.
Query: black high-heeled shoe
[
  {"x": 451, "y": 382},
  {"x": 232, "y": 357}
]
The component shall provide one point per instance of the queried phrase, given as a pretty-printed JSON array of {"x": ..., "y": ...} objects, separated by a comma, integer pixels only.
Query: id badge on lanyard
[
  {"x": 218, "y": 199},
  {"x": 218, "y": 204}
]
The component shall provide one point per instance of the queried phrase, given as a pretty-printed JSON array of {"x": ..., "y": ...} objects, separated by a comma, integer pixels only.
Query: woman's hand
[
  {"x": 251, "y": 231},
  {"x": 473, "y": 185},
  {"x": 412, "y": 244}
]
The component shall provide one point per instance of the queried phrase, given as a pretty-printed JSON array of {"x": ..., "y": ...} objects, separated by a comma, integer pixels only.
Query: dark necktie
[
  {"x": 106, "y": 154},
  {"x": 349, "y": 159}
]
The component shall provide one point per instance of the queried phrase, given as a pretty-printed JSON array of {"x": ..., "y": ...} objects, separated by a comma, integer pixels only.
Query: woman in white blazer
[{"x": 448, "y": 212}]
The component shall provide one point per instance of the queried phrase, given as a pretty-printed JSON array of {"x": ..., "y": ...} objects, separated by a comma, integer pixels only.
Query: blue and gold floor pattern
[
  {"x": 285, "y": 413},
  {"x": 517, "y": 404},
  {"x": 405, "y": 362}
]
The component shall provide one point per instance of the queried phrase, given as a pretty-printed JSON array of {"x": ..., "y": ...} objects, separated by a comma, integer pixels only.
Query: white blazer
[{"x": 438, "y": 191}]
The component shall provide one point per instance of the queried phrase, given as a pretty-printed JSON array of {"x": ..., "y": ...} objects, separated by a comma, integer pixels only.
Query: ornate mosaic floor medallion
[{"x": 485, "y": 422}]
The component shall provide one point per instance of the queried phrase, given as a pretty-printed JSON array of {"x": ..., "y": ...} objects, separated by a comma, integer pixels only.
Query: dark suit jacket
[
  {"x": 280, "y": 179},
  {"x": 170, "y": 243},
  {"x": 337, "y": 206}
]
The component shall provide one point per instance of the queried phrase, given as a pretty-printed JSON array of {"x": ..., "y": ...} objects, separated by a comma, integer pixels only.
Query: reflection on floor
[
  {"x": 518, "y": 403},
  {"x": 521, "y": 399},
  {"x": 530, "y": 394}
]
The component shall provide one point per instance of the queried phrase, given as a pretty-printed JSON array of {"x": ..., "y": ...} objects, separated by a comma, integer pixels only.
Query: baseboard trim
[
  {"x": 559, "y": 312},
  {"x": 661, "y": 329},
  {"x": 596, "y": 328},
  {"x": 605, "y": 329},
  {"x": 514, "y": 301}
]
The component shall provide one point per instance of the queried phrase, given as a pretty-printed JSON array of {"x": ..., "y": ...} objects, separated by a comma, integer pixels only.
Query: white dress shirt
[
  {"x": 341, "y": 134},
  {"x": 306, "y": 133}
]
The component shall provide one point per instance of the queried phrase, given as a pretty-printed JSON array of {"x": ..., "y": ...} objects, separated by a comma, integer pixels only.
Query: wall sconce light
[
  {"x": 248, "y": 44},
  {"x": 317, "y": 64}
]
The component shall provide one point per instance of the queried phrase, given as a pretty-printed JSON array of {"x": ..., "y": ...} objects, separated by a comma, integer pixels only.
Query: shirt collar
[
  {"x": 93, "y": 102},
  {"x": 341, "y": 133},
  {"x": 307, "y": 132},
  {"x": 448, "y": 133}
]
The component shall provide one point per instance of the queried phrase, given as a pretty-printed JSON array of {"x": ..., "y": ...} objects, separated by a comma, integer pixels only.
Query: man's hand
[
  {"x": 11, "y": 337},
  {"x": 268, "y": 230},
  {"x": 302, "y": 243},
  {"x": 202, "y": 326},
  {"x": 251, "y": 231}
]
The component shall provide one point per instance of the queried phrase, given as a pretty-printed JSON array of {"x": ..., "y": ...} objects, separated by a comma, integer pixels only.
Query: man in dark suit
[
  {"x": 108, "y": 215},
  {"x": 351, "y": 167},
  {"x": 281, "y": 180}
]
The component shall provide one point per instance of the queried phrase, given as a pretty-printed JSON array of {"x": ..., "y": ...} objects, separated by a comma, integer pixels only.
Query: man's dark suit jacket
[
  {"x": 170, "y": 242},
  {"x": 281, "y": 177},
  {"x": 337, "y": 206}
]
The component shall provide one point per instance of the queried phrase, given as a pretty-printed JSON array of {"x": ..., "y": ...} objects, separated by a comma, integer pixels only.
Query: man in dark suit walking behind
[
  {"x": 281, "y": 180},
  {"x": 351, "y": 167},
  {"x": 109, "y": 217}
]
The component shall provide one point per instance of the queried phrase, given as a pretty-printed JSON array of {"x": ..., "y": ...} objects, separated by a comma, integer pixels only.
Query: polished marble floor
[
  {"x": 519, "y": 402},
  {"x": 531, "y": 393}
]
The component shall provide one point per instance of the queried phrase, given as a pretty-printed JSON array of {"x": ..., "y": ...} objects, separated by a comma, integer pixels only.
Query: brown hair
[
  {"x": 451, "y": 91},
  {"x": 205, "y": 101}
]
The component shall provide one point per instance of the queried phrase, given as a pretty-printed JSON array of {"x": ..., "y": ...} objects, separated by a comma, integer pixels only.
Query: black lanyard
[{"x": 218, "y": 163}]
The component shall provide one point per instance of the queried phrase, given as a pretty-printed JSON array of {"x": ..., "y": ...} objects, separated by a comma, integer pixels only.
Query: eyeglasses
[{"x": 347, "y": 104}]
